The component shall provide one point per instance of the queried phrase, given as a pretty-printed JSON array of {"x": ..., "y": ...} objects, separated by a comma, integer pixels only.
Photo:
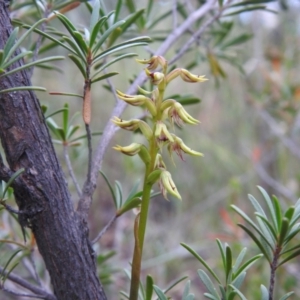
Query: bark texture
[{"x": 41, "y": 191}]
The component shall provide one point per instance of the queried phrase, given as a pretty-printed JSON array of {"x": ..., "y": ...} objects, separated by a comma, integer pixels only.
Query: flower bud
[
  {"x": 135, "y": 100},
  {"x": 130, "y": 150},
  {"x": 145, "y": 129},
  {"x": 159, "y": 163},
  {"x": 162, "y": 134},
  {"x": 156, "y": 77},
  {"x": 154, "y": 62},
  {"x": 131, "y": 125}
]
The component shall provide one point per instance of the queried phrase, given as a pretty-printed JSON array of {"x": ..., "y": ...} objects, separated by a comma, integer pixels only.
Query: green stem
[{"x": 140, "y": 229}]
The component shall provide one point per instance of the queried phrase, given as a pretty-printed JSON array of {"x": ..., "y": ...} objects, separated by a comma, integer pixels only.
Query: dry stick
[
  {"x": 23, "y": 294},
  {"x": 107, "y": 226},
  {"x": 109, "y": 130},
  {"x": 27, "y": 285},
  {"x": 70, "y": 169}
]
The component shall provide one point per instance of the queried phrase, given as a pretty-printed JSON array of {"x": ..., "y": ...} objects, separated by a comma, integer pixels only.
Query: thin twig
[
  {"x": 108, "y": 225},
  {"x": 109, "y": 129},
  {"x": 36, "y": 275},
  {"x": 198, "y": 34},
  {"x": 27, "y": 285},
  {"x": 24, "y": 294},
  {"x": 70, "y": 169}
]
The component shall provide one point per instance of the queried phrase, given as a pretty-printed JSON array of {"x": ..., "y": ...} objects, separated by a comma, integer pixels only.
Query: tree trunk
[{"x": 41, "y": 191}]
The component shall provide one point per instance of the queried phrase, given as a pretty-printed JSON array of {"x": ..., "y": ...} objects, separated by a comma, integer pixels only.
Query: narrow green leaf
[
  {"x": 95, "y": 15},
  {"x": 8, "y": 262},
  {"x": 110, "y": 187},
  {"x": 16, "y": 58},
  {"x": 65, "y": 118},
  {"x": 257, "y": 242},
  {"x": 159, "y": 293},
  {"x": 149, "y": 9},
  {"x": 96, "y": 30},
  {"x": 9, "y": 44},
  {"x": 131, "y": 19},
  {"x": 208, "y": 283},
  {"x": 264, "y": 293},
  {"x": 80, "y": 42},
  {"x": 21, "y": 39},
  {"x": 71, "y": 131},
  {"x": 149, "y": 282},
  {"x": 107, "y": 75},
  {"x": 106, "y": 35},
  {"x": 210, "y": 296},
  {"x": 130, "y": 5},
  {"x": 293, "y": 255},
  {"x": 293, "y": 232},
  {"x": 127, "y": 55},
  {"x": 84, "y": 136},
  {"x": 65, "y": 94},
  {"x": 118, "y": 47},
  {"x": 201, "y": 260},
  {"x": 54, "y": 113},
  {"x": 117, "y": 10},
  {"x": 247, "y": 265},
  {"x": 238, "y": 281},
  {"x": 173, "y": 284},
  {"x": 76, "y": 48},
  {"x": 1, "y": 57},
  {"x": 11, "y": 180},
  {"x": 239, "y": 260},
  {"x": 23, "y": 88},
  {"x": 250, "y": 2},
  {"x": 186, "y": 289},
  {"x": 289, "y": 213},
  {"x": 129, "y": 205},
  {"x": 286, "y": 296},
  {"x": 238, "y": 292},
  {"x": 133, "y": 191},
  {"x": 66, "y": 22},
  {"x": 46, "y": 35},
  {"x": 222, "y": 251},
  {"x": 237, "y": 40},
  {"x": 223, "y": 292},
  {"x": 228, "y": 259},
  {"x": 250, "y": 222},
  {"x": 269, "y": 227},
  {"x": 78, "y": 62},
  {"x": 247, "y": 9},
  {"x": 36, "y": 62},
  {"x": 119, "y": 193},
  {"x": 277, "y": 209},
  {"x": 283, "y": 232},
  {"x": 159, "y": 19},
  {"x": 290, "y": 249}
]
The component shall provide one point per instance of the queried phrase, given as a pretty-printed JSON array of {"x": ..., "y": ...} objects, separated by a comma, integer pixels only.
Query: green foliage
[
  {"x": 234, "y": 273},
  {"x": 274, "y": 229}
]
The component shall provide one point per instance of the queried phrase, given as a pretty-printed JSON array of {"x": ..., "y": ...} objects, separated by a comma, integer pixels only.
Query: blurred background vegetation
[{"x": 249, "y": 135}]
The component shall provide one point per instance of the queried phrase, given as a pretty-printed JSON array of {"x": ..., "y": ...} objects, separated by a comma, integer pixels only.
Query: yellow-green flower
[
  {"x": 167, "y": 185},
  {"x": 154, "y": 62},
  {"x": 177, "y": 114},
  {"x": 179, "y": 147},
  {"x": 162, "y": 134},
  {"x": 185, "y": 76}
]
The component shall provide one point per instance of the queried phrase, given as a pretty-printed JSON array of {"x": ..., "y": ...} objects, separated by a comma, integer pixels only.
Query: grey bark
[{"x": 41, "y": 192}]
